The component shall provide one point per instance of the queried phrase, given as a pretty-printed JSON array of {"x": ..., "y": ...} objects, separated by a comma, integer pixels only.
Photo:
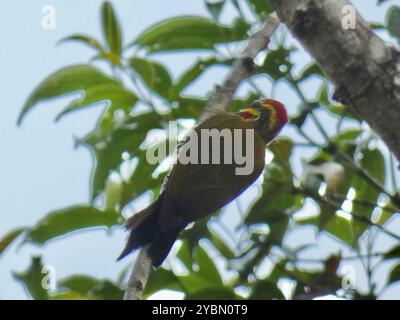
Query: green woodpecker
[{"x": 195, "y": 189}]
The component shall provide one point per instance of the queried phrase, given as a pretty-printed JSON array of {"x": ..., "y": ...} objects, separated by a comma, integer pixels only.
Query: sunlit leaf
[
  {"x": 372, "y": 162},
  {"x": 88, "y": 40},
  {"x": 341, "y": 228},
  {"x": 221, "y": 245},
  {"x": 61, "y": 222},
  {"x": 33, "y": 279},
  {"x": 108, "y": 150},
  {"x": 207, "y": 267},
  {"x": 67, "y": 80},
  {"x": 184, "y": 254},
  {"x": 261, "y": 7},
  {"x": 190, "y": 33},
  {"x": 112, "y": 194},
  {"x": 154, "y": 75},
  {"x": 114, "y": 94},
  {"x": 111, "y": 28},
  {"x": 6, "y": 240}
]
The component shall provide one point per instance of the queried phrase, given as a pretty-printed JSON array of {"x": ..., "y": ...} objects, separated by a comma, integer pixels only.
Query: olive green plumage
[{"x": 194, "y": 191}]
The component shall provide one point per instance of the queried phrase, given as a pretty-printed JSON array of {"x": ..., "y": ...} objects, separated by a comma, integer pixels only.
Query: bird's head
[{"x": 268, "y": 117}]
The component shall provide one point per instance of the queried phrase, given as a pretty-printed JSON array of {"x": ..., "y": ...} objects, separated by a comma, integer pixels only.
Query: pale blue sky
[{"x": 40, "y": 169}]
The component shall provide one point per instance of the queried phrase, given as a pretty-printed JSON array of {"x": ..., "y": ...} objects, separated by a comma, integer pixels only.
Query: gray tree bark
[{"x": 364, "y": 69}]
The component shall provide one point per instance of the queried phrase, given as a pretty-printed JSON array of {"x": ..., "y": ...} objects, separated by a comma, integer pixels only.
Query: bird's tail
[{"x": 145, "y": 230}]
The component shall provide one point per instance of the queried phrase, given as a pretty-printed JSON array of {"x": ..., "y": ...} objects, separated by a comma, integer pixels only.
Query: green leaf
[
  {"x": 310, "y": 70},
  {"x": 215, "y": 8},
  {"x": 266, "y": 290},
  {"x": 67, "y": 80},
  {"x": 393, "y": 253},
  {"x": 277, "y": 64},
  {"x": 372, "y": 162},
  {"x": 89, "y": 287},
  {"x": 111, "y": 28},
  {"x": 194, "y": 282},
  {"x": 106, "y": 290},
  {"x": 337, "y": 226},
  {"x": 206, "y": 274},
  {"x": 184, "y": 254},
  {"x": 153, "y": 74},
  {"x": 33, "y": 279},
  {"x": 188, "y": 107},
  {"x": 9, "y": 238},
  {"x": 272, "y": 205},
  {"x": 261, "y": 7},
  {"x": 341, "y": 228},
  {"x": 61, "y": 222},
  {"x": 141, "y": 180},
  {"x": 220, "y": 244},
  {"x": 161, "y": 279},
  {"x": 339, "y": 110},
  {"x": 112, "y": 194},
  {"x": 393, "y": 21},
  {"x": 192, "y": 73},
  {"x": 376, "y": 26},
  {"x": 115, "y": 94},
  {"x": 207, "y": 267},
  {"x": 193, "y": 235},
  {"x": 212, "y": 293},
  {"x": 394, "y": 274},
  {"x": 190, "y": 33},
  {"x": 79, "y": 283},
  {"x": 192, "y": 107},
  {"x": 67, "y": 295},
  {"x": 88, "y": 40},
  {"x": 108, "y": 149}
]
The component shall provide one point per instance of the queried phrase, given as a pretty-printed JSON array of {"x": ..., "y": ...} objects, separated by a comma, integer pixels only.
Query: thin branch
[
  {"x": 221, "y": 99},
  {"x": 139, "y": 276},
  {"x": 337, "y": 206},
  {"x": 366, "y": 203},
  {"x": 243, "y": 67}
]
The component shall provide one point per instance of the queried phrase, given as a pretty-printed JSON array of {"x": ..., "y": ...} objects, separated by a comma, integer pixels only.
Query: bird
[{"x": 195, "y": 189}]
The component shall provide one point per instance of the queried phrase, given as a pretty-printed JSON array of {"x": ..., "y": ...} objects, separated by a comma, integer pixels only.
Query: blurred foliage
[{"x": 348, "y": 176}]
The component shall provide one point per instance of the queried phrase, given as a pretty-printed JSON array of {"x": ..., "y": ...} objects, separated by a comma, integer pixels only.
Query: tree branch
[
  {"x": 139, "y": 276},
  {"x": 243, "y": 67},
  {"x": 221, "y": 98},
  {"x": 365, "y": 70}
]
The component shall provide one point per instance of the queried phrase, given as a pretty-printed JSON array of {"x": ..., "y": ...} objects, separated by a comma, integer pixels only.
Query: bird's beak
[{"x": 249, "y": 114}]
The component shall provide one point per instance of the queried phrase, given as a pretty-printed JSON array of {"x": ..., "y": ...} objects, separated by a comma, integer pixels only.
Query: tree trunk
[{"x": 364, "y": 69}]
